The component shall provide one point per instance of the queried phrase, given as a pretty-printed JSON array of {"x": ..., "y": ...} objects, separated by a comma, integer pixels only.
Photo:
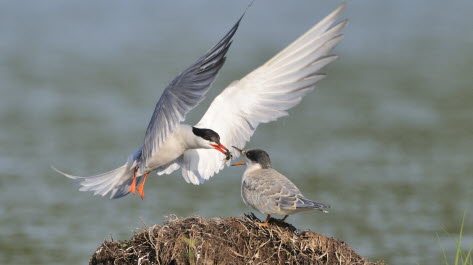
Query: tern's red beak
[
  {"x": 221, "y": 148},
  {"x": 239, "y": 164}
]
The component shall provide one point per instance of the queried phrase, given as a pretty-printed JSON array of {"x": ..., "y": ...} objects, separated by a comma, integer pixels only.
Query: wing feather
[
  {"x": 185, "y": 92},
  {"x": 264, "y": 95}
]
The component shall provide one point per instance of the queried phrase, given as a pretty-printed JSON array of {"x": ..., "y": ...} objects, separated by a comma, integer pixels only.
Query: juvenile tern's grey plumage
[{"x": 270, "y": 192}]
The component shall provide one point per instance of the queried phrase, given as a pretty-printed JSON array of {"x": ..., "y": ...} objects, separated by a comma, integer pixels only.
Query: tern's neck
[
  {"x": 191, "y": 141},
  {"x": 252, "y": 167}
]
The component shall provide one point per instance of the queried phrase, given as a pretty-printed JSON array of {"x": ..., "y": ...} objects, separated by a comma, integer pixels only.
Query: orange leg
[
  {"x": 265, "y": 224},
  {"x": 141, "y": 187},
  {"x": 133, "y": 182}
]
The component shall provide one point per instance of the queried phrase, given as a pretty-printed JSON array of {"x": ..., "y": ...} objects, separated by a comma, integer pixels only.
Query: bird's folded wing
[
  {"x": 264, "y": 95},
  {"x": 185, "y": 92}
]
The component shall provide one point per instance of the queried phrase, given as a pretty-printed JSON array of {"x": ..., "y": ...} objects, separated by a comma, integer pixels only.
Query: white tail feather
[{"x": 116, "y": 182}]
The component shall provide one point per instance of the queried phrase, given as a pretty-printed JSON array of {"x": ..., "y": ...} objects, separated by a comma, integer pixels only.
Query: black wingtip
[
  {"x": 244, "y": 13},
  {"x": 232, "y": 31},
  {"x": 249, "y": 5}
]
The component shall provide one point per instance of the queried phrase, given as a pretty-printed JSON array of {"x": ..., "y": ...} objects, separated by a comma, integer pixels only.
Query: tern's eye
[{"x": 250, "y": 155}]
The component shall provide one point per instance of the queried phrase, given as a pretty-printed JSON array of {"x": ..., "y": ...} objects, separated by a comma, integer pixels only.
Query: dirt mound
[{"x": 195, "y": 240}]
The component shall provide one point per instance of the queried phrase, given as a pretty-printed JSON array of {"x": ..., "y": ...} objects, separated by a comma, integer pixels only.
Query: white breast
[{"x": 174, "y": 146}]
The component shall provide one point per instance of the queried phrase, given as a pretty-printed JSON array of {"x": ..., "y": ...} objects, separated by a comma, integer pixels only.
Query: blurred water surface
[{"x": 387, "y": 139}]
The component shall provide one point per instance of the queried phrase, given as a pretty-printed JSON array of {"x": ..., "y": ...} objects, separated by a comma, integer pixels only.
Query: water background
[{"x": 386, "y": 139}]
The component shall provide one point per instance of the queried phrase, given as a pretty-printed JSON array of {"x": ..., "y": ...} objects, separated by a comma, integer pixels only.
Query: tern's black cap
[
  {"x": 259, "y": 156},
  {"x": 207, "y": 134}
]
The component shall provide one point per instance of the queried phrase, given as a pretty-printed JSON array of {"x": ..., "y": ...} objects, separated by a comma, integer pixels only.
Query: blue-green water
[{"x": 387, "y": 139}]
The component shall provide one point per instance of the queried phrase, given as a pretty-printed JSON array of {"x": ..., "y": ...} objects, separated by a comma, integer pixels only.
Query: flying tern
[
  {"x": 262, "y": 96},
  {"x": 166, "y": 138},
  {"x": 270, "y": 192}
]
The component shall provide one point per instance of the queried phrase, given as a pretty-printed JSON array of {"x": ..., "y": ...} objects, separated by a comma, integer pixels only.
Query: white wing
[
  {"x": 185, "y": 92},
  {"x": 264, "y": 95}
]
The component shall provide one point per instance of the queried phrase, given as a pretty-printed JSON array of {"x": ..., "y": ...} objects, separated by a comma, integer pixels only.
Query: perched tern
[
  {"x": 268, "y": 191},
  {"x": 262, "y": 96}
]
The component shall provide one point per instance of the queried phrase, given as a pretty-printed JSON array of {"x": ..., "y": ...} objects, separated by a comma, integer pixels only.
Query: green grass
[
  {"x": 191, "y": 254},
  {"x": 462, "y": 257}
]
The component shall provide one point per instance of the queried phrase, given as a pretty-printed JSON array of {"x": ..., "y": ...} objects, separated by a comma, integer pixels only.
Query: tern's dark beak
[
  {"x": 238, "y": 149},
  {"x": 241, "y": 152}
]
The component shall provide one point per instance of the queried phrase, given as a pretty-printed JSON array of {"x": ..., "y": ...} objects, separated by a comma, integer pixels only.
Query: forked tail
[
  {"x": 306, "y": 203},
  {"x": 116, "y": 182}
]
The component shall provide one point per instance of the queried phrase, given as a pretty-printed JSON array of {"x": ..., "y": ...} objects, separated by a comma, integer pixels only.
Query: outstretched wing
[
  {"x": 185, "y": 92},
  {"x": 264, "y": 95}
]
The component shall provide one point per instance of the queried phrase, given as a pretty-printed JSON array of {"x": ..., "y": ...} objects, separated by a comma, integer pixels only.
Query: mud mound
[{"x": 195, "y": 240}]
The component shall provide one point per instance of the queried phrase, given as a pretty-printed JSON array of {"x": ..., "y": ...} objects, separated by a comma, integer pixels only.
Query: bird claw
[{"x": 264, "y": 224}]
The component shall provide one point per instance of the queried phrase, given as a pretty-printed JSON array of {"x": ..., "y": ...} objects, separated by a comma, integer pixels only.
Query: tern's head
[
  {"x": 208, "y": 138},
  {"x": 254, "y": 156}
]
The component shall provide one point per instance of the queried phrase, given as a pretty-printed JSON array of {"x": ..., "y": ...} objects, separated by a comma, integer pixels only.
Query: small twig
[
  {"x": 143, "y": 222},
  {"x": 237, "y": 254}
]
